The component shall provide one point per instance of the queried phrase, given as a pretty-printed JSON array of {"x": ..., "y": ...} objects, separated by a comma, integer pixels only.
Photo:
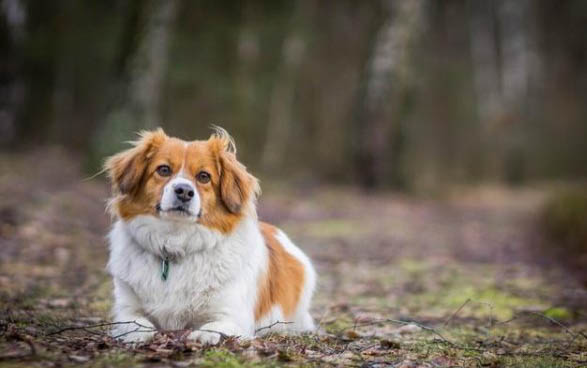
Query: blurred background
[
  {"x": 415, "y": 96},
  {"x": 429, "y": 156}
]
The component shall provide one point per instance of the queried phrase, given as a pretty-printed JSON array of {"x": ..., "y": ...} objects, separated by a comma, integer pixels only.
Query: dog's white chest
[{"x": 183, "y": 299}]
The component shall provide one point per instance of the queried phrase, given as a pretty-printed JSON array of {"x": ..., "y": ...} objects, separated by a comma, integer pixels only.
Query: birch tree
[
  {"x": 388, "y": 68},
  {"x": 501, "y": 60}
]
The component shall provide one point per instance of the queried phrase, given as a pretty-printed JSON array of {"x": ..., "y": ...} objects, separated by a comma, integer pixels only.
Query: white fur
[{"x": 212, "y": 284}]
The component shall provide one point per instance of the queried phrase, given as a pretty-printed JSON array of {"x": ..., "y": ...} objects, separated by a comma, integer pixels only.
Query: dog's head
[{"x": 175, "y": 180}]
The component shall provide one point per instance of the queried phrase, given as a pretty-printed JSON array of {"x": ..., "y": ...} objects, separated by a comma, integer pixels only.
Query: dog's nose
[{"x": 184, "y": 192}]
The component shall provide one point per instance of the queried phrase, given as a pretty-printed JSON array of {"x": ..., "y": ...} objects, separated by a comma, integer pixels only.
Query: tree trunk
[
  {"x": 500, "y": 54},
  {"x": 484, "y": 53},
  {"x": 150, "y": 64},
  {"x": 281, "y": 105},
  {"x": 388, "y": 68},
  {"x": 139, "y": 105},
  {"x": 514, "y": 52},
  {"x": 12, "y": 84}
]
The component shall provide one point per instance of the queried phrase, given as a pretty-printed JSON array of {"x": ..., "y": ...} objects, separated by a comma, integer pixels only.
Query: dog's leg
[
  {"x": 130, "y": 325},
  {"x": 232, "y": 316},
  {"x": 211, "y": 333}
]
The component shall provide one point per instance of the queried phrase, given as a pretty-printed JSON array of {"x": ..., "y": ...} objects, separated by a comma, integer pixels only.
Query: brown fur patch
[
  {"x": 137, "y": 187},
  {"x": 282, "y": 284},
  {"x": 126, "y": 169}
]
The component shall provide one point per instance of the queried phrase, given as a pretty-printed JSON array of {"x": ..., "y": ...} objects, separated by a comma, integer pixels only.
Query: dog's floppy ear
[
  {"x": 237, "y": 186},
  {"x": 126, "y": 169}
]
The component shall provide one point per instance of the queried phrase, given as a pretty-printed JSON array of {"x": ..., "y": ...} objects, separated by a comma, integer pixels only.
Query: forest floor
[{"x": 403, "y": 282}]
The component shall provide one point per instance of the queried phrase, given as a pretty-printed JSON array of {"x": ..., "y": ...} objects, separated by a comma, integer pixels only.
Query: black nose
[{"x": 184, "y": 192}]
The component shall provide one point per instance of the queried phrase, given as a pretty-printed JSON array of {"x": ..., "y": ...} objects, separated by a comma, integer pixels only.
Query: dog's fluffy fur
[{"x": 229, "y": 274}]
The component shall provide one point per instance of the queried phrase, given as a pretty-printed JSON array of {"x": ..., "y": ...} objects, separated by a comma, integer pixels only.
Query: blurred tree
[
  {"x": 141, "y": 67},
  {"x": 388, "y": 68},
  {"x": 501, "y": 60},
  {"x": 416, "y": 95},
  {"x": 12, "y": 87},
  {"x": 281, "y": 105}
]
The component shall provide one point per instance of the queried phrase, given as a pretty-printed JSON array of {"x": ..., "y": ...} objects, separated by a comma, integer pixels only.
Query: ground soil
[{"x": 461, "y": 281}]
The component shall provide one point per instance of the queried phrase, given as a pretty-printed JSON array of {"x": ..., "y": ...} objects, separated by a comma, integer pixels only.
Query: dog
[{"x": 187, "y": 250}]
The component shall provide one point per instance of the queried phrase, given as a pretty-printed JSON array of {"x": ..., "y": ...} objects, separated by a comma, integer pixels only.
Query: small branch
[
  {"x": 456, "y": 312},
  {"x": 143, "y": 328},
  {"x": 73, "y": 328},
  {"x": 271, "y": 326},
  {"x": 222, "y": 334},
  {"x": 137, "y": 330},
  {"x": 574, "y": 335},
  {"x": 404, "y": 323},
  {"x": 560, "y": 324}
]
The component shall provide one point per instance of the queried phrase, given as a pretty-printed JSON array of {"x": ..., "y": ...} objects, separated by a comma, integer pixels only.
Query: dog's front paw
[
  {"x": 205, "y": 337},
  {"x": 138, "y": 331},
  {"x": 137, "y": 337},
  {"x": 212, "y": 333}
]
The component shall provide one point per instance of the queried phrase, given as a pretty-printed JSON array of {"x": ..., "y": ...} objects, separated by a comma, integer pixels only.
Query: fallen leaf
[{"x": 351, "y": 335}]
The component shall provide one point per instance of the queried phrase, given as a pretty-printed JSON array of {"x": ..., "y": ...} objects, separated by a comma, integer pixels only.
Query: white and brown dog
[{"x": 187, "y": 250}]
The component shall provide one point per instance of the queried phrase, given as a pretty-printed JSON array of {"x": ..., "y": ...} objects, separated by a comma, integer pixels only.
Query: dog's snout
[{"x": 184, "y": 192}]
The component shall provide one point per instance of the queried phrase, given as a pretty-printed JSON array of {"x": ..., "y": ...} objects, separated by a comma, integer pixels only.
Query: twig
[
  {"x": 137, "y": 330},
  {"x": 506, "y": 321},
  {"x": 491, "y": 323},
  {"x": 456, "y": 312},
  {"x": 72, "y": 328},
  {"x": 222, "y": 334},
  {"x": 272, "y": 325},
  {"x": 560, "y": 324},
  {"x": 146, "y": 328},
  {"x": 552, "y": 320},
  {"x": 404, "y": 323}
]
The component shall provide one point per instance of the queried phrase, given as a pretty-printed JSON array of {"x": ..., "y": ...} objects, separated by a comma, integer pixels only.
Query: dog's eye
[
  {"x": 203, "y": 177},
  {"x": 164, "y": 170}
]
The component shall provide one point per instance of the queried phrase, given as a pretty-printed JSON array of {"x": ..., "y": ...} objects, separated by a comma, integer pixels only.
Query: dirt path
[{"x": 403, "y": 282}]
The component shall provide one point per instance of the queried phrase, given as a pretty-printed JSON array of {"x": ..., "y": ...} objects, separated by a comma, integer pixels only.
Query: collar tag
[{"x": 164, "y": 268}]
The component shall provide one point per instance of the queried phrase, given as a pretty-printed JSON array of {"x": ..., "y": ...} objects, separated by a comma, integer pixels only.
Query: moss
[
  {"x": 487, "y": 301},
  {"x": 338, "y": 325},
  {"x": 451, "y": 287},
  {"x": 413, "y": 266},
  {"x": 225, "y": 359},
  {"x": 336, "y": 228},
  {"x": 558, "y": 313},
  {"x": 466, "y": 353}
]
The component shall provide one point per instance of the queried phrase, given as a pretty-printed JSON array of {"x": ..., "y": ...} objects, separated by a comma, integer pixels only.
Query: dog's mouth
[{"x": 180, "y": 211}]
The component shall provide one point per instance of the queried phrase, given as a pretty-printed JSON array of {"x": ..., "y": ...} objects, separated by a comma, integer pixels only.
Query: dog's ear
[
  {"x": 237, "y": 186},
  {"x": 127, "y": 168}
]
